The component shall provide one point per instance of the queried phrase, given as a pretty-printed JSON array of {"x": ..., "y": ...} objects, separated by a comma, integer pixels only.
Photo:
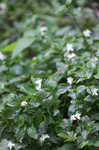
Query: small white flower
[
  {"x": 43, "y": 30},
  {"x": 11, "y": 145},
  {"x": 87, "y": 33},
  {"x": 73, "y": 117},
  {"x": 38, "y": 84},
  {"x": 71, "y": 55},
  {"x": 34, "y": 58},
  {"x": 3, "y": 6},
  {"x": 24, "y": 103},
  {"x": 94, "y": 91},
  {"x": 69, "y": 47},
  {"x": 44, "y": 137},
  {"x": 76, "y": 116},
  {"x": 56, "y": 112},
  {"x": 70, "y": 80},
  {"x": 2, "y": 57}
]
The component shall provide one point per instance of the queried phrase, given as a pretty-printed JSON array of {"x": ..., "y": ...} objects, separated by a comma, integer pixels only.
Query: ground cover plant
[{"x": 49, "y": 75}]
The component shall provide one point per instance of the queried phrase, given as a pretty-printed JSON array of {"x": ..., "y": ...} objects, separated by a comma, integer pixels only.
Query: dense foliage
[{"x": 49, "y": 75}]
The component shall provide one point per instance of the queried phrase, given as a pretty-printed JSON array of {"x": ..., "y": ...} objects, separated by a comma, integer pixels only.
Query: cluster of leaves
[{"x": 49, "y": 72}]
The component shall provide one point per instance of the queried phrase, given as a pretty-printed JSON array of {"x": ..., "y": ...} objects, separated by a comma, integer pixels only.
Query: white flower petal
[
  {"x": 95, "y": 91},
  {"x": 24, "y": 103},
  {"x": 3, "y": 6},
  {"x": 56, "y": 112},
  {"x": 43, "y": 30},
  {"x": 11, "y": 145},
  {"x": 87, "y": 33},
  {"x": 69, "y": 47},
  {"x": 70, "y": 80},
  {"x": 75, "y": 117},
  {"x": 71, "y": 55},
  {"x": 38, "y": 84},
  {"x": 44, "y": 137}
]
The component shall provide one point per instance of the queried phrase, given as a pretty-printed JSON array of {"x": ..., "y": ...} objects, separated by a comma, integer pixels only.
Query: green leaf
[
  {"x": 62, "y": 90},
  {"x": 20, "y": 134},
  {"x": 61, "y": 67},
  {"x": 97, "y": 75},
  {"x": 32, "y": 132},
  {"x": 68, "y": 137},
  {"x": 67, "y": 147},
  {"x": 68, "y": 2},
  {"x": 22, "y": 44},
  {"x": 62, "y": 135},
  {"x": 96, "y": 144},
  {"x": 10, "y": 47},
  {"x": 81, "y": 89},
  {"x": 83, "y": 144}
]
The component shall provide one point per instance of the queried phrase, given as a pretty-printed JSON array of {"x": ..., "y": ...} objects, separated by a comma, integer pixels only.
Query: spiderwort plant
[{"x": 49, "y": 77}]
